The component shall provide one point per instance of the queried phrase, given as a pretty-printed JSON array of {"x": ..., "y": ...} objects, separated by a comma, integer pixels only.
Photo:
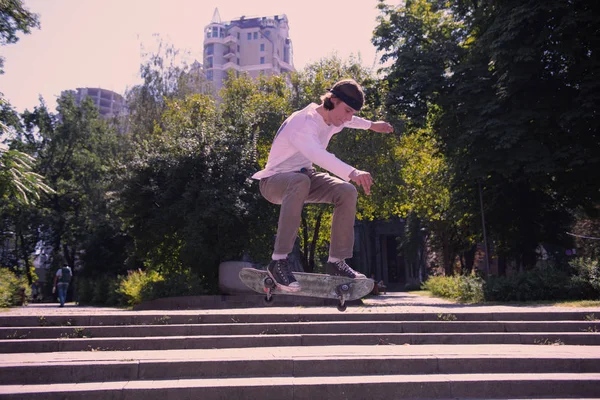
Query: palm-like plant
[{"x": 17, "y": 179}]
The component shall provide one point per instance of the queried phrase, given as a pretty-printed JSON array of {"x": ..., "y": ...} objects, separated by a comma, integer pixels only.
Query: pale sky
[{"x": 96, "y": 43}]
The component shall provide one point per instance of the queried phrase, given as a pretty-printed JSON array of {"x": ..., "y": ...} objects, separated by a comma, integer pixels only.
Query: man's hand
[
  {"x": 362, "y": 178},
  {"x": 381, "y": 127}
]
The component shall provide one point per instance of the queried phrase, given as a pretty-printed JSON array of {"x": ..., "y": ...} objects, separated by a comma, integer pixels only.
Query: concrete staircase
[{"x": 298, "y": 354}]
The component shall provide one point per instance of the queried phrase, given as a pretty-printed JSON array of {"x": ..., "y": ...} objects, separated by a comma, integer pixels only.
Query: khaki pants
[{"x": 293, "y": 189}]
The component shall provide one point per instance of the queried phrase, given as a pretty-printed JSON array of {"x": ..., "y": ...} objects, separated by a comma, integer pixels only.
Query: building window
[
  {"x": 238, "y": 48},
  {"x": 255, "y": 35},
  {"x": 210, "y": 49},
  {"x": 209, "y": 75},
  {"x": 215, "y": 32},
  {"x": 209, "y": 62},
  {"x": 238, "y": 61},
  {"x": 262, "y": 60},
  {"x": 238, "y": 36},
  {"x": 262, "y": 47},
  {"x": 249, "y": 36}
]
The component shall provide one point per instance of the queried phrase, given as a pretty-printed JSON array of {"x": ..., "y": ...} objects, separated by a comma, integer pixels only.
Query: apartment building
[
  {"x": 109, "y": 103},
  {"x": 257, "y": 45}
]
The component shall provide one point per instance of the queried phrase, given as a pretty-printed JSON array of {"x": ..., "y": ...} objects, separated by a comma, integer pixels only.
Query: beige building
[
  {"x": 109, "y": 103},
  {"x": 258, "y": 45}
]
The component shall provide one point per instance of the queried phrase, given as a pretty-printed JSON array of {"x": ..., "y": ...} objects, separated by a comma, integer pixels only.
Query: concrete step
[
  {"x": 374, "y": 352},
  {"x": 297, "y": 328},
  {"x": 74, "y": 367},
  {"x": 373, "y": 387},
  {"x": 270, "y": 340},
  {"x": 255, "y": 316}
]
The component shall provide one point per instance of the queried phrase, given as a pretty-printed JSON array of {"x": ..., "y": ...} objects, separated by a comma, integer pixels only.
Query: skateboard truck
[
  {"x": 269, "y": 284},
  {"x": 342, "y": 292}
]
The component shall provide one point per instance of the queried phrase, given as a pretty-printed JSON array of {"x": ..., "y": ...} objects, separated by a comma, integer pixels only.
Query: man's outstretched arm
[{"x": 381, "y": 127}]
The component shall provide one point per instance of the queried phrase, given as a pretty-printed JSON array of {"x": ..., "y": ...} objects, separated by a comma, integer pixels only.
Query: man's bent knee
[{"x": 348, "y": 191}]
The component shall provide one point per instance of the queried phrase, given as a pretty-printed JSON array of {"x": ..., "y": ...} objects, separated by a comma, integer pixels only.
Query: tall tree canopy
[
  {"x": 14, "y": 18},
  {"x": 516, "y": 84}
]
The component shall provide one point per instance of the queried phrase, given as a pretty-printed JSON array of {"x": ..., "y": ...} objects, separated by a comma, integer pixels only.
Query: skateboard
[{"x": 338, "y": 288}]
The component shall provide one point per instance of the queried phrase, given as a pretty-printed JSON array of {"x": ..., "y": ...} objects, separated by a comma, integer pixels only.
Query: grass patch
[
  {"x": 577, "y": 303},
  {"x": 425, "y": 293},
  {"x": 548, "y": 303}
]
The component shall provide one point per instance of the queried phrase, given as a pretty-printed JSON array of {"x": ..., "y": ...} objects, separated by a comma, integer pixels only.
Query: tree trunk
[
  {"x": 469, "y": 256},
  {"x": 501, "y": 265},
  {"x": 25, "y": 256},
  {"x": 313, "y": 244},
  {"x": 305, "y": 241}
]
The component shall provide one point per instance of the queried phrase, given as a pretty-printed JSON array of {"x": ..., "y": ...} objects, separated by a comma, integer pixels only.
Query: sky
[{"x": 98, "y": 43}]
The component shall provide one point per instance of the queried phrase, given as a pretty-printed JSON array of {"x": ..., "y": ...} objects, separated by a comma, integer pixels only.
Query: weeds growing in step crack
[
  {"x": 16, "y": 336},
  {"x": 78, "y": 333},
  {"x": 591, "y": 317},
  {"x": 549, "y": 342},
  {"x": 164, "y": 320},
  {"x": 446, "y": 317}
]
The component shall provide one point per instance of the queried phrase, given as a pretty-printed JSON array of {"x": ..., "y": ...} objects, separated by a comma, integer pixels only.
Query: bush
[
  {"x": 183, "y": 284},
  {"x": 585, "y": 284},
  {"x": 14, "y": 290},
  {"x": 544, "y": 282},
  {"x": 99, "y": 290},
  {"x": 84, "y": 290},
  {"x": 133, "y": 285},
  {"x": 136, "y": 287},
  {"x": 464, "y": 288}
]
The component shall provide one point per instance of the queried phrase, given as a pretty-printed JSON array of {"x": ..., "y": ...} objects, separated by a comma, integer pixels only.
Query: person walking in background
[
  {"x": 290, "y": 180},
  {"x": 61, "y": 283}
]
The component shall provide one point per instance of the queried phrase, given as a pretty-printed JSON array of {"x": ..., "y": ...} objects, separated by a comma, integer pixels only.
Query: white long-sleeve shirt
[{"x": 302, "y": 140}]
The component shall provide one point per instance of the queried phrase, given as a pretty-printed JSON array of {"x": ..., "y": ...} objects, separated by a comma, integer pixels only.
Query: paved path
[{"x": 398, "y": 302}]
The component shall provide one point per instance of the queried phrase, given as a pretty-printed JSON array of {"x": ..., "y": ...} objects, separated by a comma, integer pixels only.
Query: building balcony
[
  {"x": 231, "y": 65},
  {"x": 285, "y": 67},
  {"x": 230, "y": 39},
  {"x": 268, "y": 23},
  {"x": 227, "y": 40},
  {"x": 228, "y": 55}
]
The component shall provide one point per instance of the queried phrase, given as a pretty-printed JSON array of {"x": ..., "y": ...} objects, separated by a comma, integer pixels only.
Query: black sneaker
[
  {"x": 279, "y": 270},
  {"x": 340, "y": 268}
]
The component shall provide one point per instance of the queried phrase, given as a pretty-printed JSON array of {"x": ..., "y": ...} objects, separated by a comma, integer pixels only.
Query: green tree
[
  {"x": 423, "y": 41},
  {"x": 256, "y": 109},
  {"x": 524, "y": 125},
  {"x": 14, "y": 18},
  {"x": 21, "y": 189},
  {"x": 75, "y": 150},
  {"x": 186, "y": 201},
  {"x": 512, "y": 83},
  {"x": 165, "y": 77}
]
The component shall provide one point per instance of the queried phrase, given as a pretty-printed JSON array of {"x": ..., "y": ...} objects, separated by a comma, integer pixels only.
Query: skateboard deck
[{"x": 312, "y": 285}]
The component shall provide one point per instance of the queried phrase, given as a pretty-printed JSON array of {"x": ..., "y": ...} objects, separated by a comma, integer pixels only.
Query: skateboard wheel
[
  {"x": 341, "y": 307},
  {"x": 269, "y": 282},
  {"x": 268, "y": 299}
]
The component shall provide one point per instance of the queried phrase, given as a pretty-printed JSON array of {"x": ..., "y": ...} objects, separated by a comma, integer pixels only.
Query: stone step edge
[
  {"x": 200, "y": 317},
  {"x": 246, "y": 341},
  {"x": 301, "y": 335},
  {"x": 79, "y": 371},
  {"x": 110, "y": 331},
  {"x": 375, "y": 387}
]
